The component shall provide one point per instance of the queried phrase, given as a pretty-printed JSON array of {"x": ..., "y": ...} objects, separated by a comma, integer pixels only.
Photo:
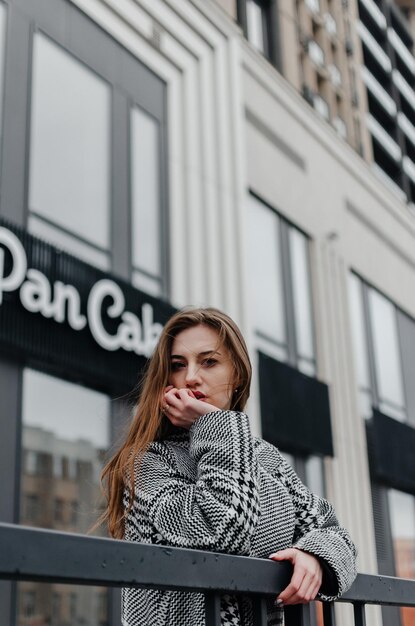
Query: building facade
[{"x": 162, "y": 153}]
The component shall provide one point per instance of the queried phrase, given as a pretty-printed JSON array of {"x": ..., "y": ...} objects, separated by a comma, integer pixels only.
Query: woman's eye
[
  {"x": 209, "y": 362},
  {"x": 176, "y": 365}
]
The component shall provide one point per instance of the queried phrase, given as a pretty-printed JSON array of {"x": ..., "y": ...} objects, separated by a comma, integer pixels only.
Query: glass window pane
[
  {"x": 265, "y": 271},
  {"x": 147, "y": 284},
  {"x": 307, "y": 367},
  {"x": 406, "y": 332},
  {"x": 402, "y": 517},
  {"x": 3, "y": 16},
  {"x": 255, "y": 25},
  {"x": 145, "y": 181},
  {"x": 65, "y": 436},
  {"x": 289, "y": 458},
  {"x": 301, "y": 293},
  {"x": 365, "y": 404},
  {"x": 386, "y": 352},
  {"x": 68, "y": 243},
  {"x": 314, "y": 470},
  {"x": 70, "y": 144},
  {"x": 358, "y": 331}
]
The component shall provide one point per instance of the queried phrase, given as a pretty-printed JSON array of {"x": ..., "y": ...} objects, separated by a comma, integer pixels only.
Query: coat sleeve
[
  {"x": 316, "y": 529},
  {"x": 219, "y": 510},
  {"x": 318, "y": 532}
]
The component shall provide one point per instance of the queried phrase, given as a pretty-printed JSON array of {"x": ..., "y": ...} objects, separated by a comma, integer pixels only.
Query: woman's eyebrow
[
  {"x": 209, "y": 352},
  {"x": 206, "y": 352}
]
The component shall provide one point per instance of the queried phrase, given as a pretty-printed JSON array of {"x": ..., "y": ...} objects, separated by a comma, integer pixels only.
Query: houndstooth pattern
[{"x": 217, "y": 488}]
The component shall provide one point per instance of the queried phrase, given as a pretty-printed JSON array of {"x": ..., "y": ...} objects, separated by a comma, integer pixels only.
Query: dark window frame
[
  {"x": 400, "y": 315},
  {"x": 270, "y": 26},
  {"x": 132, "y": 84},
  {"x": 293, "y": 354}
]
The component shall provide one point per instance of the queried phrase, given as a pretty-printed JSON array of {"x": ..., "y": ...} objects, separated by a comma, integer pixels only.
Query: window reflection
[
  {"x": 266, "y": 272},
  {"x": 279, "y": 280},
  {"x": 360, "y": 346},
  {"x": 387, "y": 355},
  {"x": 70, "y": 144},
  {"x": 302, "y": 296},
  {"x": 255, "y": 24},
  {"x": 145, "y": 188},
  {"x": 402, "y": 517},
  {"x": 65, "y": 436},
  {"x": 314, "y": 474}
]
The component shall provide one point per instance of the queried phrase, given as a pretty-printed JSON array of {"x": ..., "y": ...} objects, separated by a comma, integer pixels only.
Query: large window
[
  {"x": 69, "y": 182},
  {"x": 383, "y": 339},
  {"x": 386, "y": 353},
  {"x": 65, "y": 436},
  {"x": 145, "y": 192},
  {"x": 280, "y": 287},
  {"x": 84, "y": 149}
]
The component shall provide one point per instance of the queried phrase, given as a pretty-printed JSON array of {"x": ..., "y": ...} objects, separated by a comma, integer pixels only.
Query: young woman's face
[{"x": 200, "y": 364}]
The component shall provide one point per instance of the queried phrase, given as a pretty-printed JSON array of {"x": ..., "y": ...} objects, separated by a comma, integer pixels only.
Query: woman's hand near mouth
[{"x": 182, "y": 407}]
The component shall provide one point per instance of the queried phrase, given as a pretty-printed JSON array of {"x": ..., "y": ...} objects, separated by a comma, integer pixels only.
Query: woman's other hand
[
  {"x": 182, "y": 407},
  {"x": 306, "y": 579}
]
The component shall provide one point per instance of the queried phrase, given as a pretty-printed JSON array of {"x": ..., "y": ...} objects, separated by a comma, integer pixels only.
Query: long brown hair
[{"x": 149, "y": 422}]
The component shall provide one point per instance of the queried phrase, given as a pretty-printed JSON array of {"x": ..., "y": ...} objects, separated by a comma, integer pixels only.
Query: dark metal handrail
[{"x": 49, "y": 556}]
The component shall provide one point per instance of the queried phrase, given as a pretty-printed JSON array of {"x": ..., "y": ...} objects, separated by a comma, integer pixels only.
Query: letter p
[{"x": 19, "y": 262}]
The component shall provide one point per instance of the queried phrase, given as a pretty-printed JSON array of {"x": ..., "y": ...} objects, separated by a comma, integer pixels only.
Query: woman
[{"x": 191, "y": 475}]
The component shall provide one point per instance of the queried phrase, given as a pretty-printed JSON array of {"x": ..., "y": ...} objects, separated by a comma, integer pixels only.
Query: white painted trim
[
  {"x": 407, "y": 126},
  {"x": 401, "y": 49},
  {"x": 409, "y": 167},
  {"x": 376, "y": 13},
  {"x": 378, "y": 91},
  {"x": 367, "y": 38},
  {"x": 404, "y": 87},
  {"x": 383, "y": 137}
]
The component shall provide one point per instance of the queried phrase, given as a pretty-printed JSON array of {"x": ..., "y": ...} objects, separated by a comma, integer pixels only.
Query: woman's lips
[{"x": 199, "y": 395}]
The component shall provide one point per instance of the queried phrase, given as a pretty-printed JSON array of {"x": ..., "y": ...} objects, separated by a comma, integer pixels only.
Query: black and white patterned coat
[{"x": 217, "y": 488}]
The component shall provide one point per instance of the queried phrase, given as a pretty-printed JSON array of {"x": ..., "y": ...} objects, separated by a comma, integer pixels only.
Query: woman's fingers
[
  {"x": 303, "y": 593},
  {"x": 291, "y": 591},
  {"x": 306, "y": 579}
]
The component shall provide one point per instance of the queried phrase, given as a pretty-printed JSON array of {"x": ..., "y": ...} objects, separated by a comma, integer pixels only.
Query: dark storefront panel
[
  {"x": 391, "y": 446},
  {"x": 39, "y": 340},
  {"x": 295, "y": 409}
]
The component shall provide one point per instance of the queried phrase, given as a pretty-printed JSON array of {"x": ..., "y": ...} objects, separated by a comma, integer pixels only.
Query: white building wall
[
  {"x": 229, "y": 114},
  {"x": 355, "y": 222}
]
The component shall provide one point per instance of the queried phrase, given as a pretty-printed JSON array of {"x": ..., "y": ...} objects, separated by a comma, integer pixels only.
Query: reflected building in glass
[{"x": 64, "y": 443}]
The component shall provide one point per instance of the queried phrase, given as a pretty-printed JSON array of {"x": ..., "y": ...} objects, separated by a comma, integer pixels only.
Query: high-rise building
[{"x": 353, "y": 61}]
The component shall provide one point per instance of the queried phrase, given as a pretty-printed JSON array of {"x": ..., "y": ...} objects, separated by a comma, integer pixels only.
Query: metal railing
[{"x": 31, "y": 554}]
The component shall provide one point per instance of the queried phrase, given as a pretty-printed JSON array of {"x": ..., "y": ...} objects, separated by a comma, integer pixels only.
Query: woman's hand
[
  {"x": 306, "y": 579},
  {"x": 182, "y": 408}
]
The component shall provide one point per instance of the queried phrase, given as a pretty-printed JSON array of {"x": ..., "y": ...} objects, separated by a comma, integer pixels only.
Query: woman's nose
[{"x": 192, "y": 373}]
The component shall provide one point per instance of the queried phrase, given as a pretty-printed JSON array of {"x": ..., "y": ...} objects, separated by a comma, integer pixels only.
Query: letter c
[{"x": 99, "y": 291}]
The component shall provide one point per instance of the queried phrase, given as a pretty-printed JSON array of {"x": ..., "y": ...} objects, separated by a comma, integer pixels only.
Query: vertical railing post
[
  {"x": 359, "y": 614},
  {"x": 259, "y": 607},
  {"x": 297, "y": 615},
  {"x": 328, "y": 614},
  {"x": 212, "y": 608}
]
